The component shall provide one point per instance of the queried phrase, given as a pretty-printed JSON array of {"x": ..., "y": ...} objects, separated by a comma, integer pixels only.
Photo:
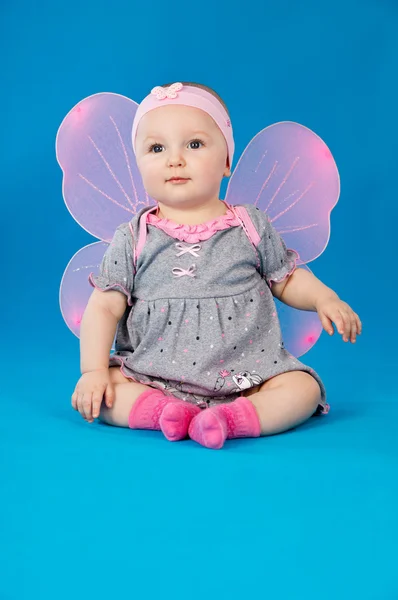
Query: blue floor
[{"x": 100, "y": 512}]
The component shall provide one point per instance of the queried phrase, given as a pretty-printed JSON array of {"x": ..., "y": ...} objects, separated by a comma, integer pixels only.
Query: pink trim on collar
[{"x": 194, "y": 233}]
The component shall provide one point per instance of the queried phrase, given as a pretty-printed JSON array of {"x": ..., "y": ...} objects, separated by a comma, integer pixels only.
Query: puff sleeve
[
  {"x": 117, "y": 266},
  {"x": 278, "y": 262}
]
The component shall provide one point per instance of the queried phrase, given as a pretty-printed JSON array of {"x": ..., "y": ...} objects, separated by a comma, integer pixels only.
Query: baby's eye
[
  {"x": 154, "y": 148},
  {"x": 194, "y": 145}
]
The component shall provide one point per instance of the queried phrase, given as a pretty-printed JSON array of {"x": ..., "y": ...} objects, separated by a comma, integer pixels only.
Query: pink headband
[{"x": 187, "y": 95}]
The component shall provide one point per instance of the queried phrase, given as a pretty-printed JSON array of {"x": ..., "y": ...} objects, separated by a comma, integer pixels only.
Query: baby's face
[{"x": 181, "y": 141}]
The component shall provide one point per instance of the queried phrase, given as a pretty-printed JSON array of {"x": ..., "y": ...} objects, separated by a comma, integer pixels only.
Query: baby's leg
[
  {"x": 126, "y": 393},
  {"x": 279, "y": 404},
  {"x": 140, "y": 406},
  {"x": 285, "y": 401}
]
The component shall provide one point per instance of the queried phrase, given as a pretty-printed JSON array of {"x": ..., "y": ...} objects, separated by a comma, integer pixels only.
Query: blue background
[{"x": 97, "y": 512}]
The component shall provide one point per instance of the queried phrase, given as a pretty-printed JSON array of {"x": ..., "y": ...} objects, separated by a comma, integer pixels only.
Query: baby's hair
[{"x": 203, "y": 87}]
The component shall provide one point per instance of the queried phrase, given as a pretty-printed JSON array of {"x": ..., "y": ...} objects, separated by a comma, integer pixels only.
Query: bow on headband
[{"x": 161, "y": 93}]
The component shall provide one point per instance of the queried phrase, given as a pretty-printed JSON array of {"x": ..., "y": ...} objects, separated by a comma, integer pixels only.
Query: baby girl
[{"x": 199, "y": 351}]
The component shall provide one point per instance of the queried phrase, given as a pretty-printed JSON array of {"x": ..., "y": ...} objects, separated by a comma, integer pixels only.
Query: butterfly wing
[
  {"x": 102, "y": 186},
  {"x": 289, "y": 173},
  {"x": 75, "y": 289}
]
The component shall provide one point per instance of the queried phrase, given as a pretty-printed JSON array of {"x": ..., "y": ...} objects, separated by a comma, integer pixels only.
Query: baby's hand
[
  {"x": 334, "y": 310},
  {"x": 90, "y": 390}
]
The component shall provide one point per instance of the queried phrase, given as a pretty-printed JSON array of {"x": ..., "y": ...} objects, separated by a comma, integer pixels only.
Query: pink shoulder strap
[
  {"x": 247, "y": 224},
  {"x": 249, "y": 229},
  {"x": 142, "y": 233}
]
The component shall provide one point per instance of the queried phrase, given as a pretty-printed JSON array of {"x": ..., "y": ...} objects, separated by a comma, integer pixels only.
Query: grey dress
[{"x": 201, "y": 321}]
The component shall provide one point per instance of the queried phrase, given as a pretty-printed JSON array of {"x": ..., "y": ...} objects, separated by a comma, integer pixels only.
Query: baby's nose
[{"x": 176, "y": 161}]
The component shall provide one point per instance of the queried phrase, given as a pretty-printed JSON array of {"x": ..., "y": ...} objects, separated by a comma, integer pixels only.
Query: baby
[{"x": 199, "y": 350}]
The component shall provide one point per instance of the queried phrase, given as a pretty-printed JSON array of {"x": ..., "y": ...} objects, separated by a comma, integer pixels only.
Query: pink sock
[
  {"x": 176, "y": 418},
  {"x": 149, "y": 407},
  {"x": 232, "y": 420}
]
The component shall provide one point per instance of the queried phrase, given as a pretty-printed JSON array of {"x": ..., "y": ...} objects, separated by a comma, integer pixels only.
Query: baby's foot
[
  {"x": 209, "y": 429},
  {"x": 230, "y": 420},
  {"x": 176, "y": 418}
]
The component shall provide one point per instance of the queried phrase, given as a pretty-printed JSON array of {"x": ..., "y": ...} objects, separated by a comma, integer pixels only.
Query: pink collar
[{"x": 194, "y": 233}]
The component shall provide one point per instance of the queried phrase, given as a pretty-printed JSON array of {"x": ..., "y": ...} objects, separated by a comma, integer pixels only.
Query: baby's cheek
[
  {"x": 210, "y": 175},
  {"x": 152, "y": 181}
]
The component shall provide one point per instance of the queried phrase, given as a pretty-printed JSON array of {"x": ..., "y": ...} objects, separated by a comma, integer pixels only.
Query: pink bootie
[
  {"x": 148, "y": 409},
  {"x": 227, "y": 421},
  {"x": 176, "y": 418}
]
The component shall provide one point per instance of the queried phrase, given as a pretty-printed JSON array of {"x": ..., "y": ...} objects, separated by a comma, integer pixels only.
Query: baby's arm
[
  {"x": 304, "y": 291},
  {"x": 300, "y": 288},
  {"x": 97, "y": 332},
  {"x": 107, "y": 304},
  {"x": 103, "y": 312}
]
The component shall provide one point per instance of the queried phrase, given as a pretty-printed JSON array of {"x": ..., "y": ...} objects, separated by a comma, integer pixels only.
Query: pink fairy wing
[
  {"x": 288, "y": 172},
  {"x": 300, "y": 329},
  {"x": 75, "y": 289},
  {"x": 102, "y": 186}
]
